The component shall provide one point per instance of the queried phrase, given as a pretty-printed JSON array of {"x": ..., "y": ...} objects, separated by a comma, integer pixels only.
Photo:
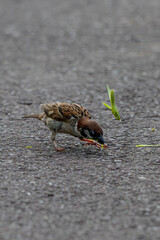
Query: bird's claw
[
  {"x": 59, "y": 149},
  {"x": 92, "y": 142}
]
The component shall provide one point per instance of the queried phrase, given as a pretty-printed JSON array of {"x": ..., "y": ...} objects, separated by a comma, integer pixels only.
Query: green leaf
[
  {"x": 113, "y": 106},
  {"x": 28, "y": 146},
  {"x": 112, "y": 98},
  {"x": 109, "y": 92},
  {"x": 116, "y": 112},
  {"x": 107, "y": 105}
]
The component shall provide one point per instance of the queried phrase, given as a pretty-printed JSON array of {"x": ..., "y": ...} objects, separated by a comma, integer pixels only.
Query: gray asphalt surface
[{"x": 68, "y": 50}]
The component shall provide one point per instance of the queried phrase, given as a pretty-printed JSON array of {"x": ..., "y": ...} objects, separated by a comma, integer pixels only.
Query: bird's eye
[{"x": 92, "y": 132}]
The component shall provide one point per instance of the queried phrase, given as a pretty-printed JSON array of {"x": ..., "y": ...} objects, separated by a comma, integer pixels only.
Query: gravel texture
[{"x": 68, "y": 50}]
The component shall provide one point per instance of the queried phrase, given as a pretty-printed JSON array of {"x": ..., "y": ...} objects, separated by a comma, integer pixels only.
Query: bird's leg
[{"x": 58, "y": 149}]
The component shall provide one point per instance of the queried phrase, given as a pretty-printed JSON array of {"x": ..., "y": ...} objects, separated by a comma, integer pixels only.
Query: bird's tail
[{"x": 38, "y": 116}]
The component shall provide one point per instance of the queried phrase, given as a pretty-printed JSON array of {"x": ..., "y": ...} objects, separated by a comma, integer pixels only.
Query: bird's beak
[{"x": 100, "y": 139}]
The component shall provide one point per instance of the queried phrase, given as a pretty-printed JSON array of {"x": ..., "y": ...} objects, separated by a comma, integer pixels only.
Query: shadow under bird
[{"x": 69, "y": 118}]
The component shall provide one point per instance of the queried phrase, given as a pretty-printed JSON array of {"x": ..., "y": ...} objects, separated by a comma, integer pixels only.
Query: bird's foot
[
  {"x": 92, "y": 142},
  {"x": 59, "y": 149}
]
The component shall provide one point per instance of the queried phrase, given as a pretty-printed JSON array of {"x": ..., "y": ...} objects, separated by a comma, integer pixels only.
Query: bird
[{"x": 69, "y": 118}]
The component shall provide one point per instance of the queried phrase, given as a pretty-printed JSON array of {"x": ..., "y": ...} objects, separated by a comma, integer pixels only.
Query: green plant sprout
[
  {"x": 113, "y": 106},
  {"x": 145, "y": 145},
  {"x": 148, "y": 145},
  {"x": 28, "y": 146}
]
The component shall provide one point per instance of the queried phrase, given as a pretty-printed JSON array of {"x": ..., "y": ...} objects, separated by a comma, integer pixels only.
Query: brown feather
[
  {"x": 64, "y": 111},
  {"x": 86, "y": 123},
  {"x": 38, "y": 116}
]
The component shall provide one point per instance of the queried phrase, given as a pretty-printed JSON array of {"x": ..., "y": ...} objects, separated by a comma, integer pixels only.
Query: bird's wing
[{"x": 64, "y": 111}]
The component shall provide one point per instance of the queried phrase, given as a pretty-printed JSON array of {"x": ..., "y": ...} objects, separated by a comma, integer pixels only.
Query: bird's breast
[
  {"x": 61, "y": 127},
  {"x": 53, "y": 125}
]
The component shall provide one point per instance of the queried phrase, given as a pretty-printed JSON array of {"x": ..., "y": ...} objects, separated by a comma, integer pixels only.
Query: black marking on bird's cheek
[
  {"x": 83, "y": 133},
  {"x": 96, "y": 136}
]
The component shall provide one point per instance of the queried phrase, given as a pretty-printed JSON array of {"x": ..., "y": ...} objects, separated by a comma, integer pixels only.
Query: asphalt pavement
[{"x": 69, "y": 50}]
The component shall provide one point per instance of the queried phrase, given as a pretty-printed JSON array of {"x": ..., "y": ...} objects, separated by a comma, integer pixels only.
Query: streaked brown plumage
[{"x": 69, "y": 118}]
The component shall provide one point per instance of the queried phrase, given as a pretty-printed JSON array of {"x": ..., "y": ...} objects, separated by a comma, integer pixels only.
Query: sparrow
[{"x": 69, "y": 118}]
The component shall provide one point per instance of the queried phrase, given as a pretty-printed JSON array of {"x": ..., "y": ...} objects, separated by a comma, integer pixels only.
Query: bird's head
[{"x": 90, "y": 129}]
